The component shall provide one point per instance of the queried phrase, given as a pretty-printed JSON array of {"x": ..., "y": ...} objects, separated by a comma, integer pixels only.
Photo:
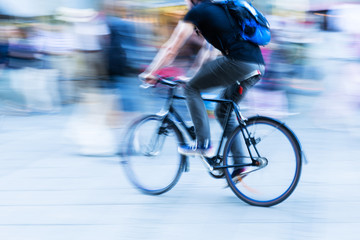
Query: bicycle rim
[
  {"x": 274, "y": 181},
  {"x": 150, "y": 157}
]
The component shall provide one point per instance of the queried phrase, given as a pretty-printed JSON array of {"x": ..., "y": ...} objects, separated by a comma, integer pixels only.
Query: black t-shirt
[{"x": 214, "y": 24}]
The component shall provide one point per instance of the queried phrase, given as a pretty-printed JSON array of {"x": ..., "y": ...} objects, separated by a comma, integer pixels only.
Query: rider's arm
[
  {"x": 206, "y": 53},
  {"x": 171, "y": 48}
]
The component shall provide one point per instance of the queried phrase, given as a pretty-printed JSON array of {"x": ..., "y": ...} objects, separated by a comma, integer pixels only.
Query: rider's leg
[
  {"x": 219, "y": 72},
  {"x": 235, "y": 93},
  {"x": 212, "y": 74}
]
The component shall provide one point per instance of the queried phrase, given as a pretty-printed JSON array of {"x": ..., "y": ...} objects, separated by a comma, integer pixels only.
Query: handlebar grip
[
  {"x": 167, "y": 82},
  {"x": 145, "y": 85}
]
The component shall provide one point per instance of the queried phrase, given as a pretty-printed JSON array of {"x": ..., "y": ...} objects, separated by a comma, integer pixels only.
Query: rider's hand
[{"x": 148, "y": 78}]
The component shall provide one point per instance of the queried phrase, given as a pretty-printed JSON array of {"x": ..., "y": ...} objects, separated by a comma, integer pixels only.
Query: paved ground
[{"x": 48, "y": 191}]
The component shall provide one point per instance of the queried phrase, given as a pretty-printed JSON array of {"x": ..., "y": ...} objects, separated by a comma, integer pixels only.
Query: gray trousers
[{"x": 221, "y": 72}]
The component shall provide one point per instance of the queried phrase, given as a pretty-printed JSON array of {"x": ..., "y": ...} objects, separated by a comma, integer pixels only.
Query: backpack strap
[
  {"x": 224, "y": 51},
  {"x": 231, "y": 19},
  {"x": 225, "y": 7},
  {"x": 228, "y": 15}
]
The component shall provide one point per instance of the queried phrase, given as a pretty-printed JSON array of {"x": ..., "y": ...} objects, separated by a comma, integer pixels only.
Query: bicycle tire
[
  {"x": 163, "y": 171},
  {"x": 276, "y": 181}
]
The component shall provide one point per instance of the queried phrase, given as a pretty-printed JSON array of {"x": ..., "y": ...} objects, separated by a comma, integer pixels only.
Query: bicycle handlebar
[{"x": 171, "y": 82}]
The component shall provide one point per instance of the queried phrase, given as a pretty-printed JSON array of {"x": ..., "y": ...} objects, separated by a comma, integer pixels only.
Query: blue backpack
[{"x": 252, "y": 24}]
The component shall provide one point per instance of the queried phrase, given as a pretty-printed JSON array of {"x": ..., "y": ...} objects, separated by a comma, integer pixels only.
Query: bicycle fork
[{"x": 251, "y": 142}]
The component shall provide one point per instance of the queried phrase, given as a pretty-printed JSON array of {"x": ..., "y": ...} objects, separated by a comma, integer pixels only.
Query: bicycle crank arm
[{"x": 259, "y": 163}]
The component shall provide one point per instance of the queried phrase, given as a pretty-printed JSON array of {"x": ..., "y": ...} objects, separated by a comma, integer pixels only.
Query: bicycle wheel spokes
[
  {"x": 149, "y": 143},
  {"x": 150, "y": 159},
  {"x": 278, "y": 173}
]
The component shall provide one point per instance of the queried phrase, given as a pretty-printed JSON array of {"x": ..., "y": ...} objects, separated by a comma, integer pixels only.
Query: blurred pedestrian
[
  {"x": 4, "y": 48},
  {"x": 29, "y": 76},
  {"x": 91, "y": 125},
  {"x": 59, "y": 54}
]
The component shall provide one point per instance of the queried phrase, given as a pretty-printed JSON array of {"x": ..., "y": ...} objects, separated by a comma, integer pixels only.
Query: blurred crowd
[
  {"x": 80, "y": 49},
  {"x": 90, "y": 59},
  {"x": 78, "y": 58}
]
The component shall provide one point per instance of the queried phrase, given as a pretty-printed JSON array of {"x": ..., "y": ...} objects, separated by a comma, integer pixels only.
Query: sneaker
[{"x": 195, "y": 150}]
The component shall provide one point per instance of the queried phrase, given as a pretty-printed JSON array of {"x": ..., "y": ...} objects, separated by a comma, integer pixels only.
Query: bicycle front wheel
[
  {"x": 273, "y": 173},
  {"x": 150, "y": 155}
]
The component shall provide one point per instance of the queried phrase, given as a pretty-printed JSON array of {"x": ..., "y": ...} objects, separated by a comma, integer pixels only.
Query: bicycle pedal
[{"x": 237, "y": 179}]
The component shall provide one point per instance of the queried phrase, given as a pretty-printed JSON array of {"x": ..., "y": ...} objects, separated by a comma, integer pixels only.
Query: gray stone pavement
[{"x": 48, "y": 191}]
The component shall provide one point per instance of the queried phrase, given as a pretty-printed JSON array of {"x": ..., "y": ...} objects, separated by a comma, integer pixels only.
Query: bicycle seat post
[{"x": 238, "y": 113}]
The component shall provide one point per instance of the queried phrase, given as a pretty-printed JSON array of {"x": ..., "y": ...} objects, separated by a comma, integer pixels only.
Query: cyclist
[{"x": 237, "y": 70}]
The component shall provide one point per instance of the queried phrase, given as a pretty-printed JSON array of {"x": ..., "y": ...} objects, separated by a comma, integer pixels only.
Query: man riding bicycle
[{"x": 240, "y": 68}]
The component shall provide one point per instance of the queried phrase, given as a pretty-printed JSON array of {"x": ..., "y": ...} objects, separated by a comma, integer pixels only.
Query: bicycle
[{"x": 273, "y": 157}]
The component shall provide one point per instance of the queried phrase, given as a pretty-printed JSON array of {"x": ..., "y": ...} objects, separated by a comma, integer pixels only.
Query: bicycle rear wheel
[
  {"x": 279, "y": 158},
  {"x": 149, "y": 155}
]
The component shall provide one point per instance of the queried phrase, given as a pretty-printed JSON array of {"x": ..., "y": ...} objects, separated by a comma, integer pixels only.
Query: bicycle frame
[
  {"x": 150, "y": 134},
  {"x": 168, "y": 109}
]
